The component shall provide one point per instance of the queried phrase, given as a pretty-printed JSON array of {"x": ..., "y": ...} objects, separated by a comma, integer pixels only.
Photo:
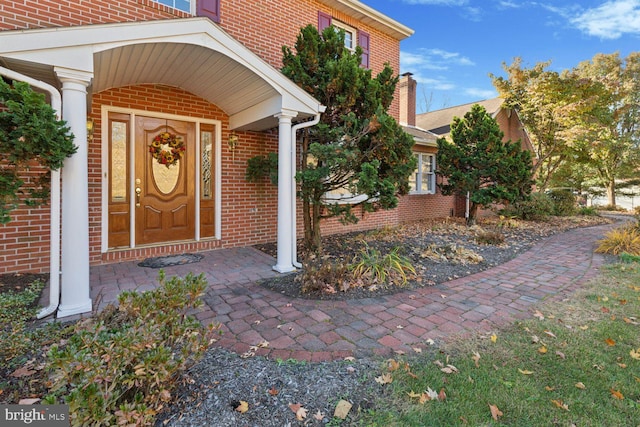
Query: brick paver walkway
[{"x": 323, "y": 330}]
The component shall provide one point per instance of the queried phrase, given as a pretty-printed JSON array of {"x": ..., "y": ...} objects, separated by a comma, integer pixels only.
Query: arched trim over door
[{"x": 146, "y": 203}]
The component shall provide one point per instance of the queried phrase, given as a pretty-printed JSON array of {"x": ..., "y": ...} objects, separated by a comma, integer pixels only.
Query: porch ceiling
[{"x": 209, "y": 74}]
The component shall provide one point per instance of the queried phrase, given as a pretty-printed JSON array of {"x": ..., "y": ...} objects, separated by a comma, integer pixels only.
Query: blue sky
[{"x": 457, "y": 43}]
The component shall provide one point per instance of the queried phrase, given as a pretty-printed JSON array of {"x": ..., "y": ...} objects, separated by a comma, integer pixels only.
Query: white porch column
[
  {"x": 75, "y": 289},
  {"x": 285, "y": 196}
]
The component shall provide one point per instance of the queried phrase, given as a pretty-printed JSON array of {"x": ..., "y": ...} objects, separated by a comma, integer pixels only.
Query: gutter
[
  {"x": 54, "y": 250},
  {"x": 294, "y": 238}
]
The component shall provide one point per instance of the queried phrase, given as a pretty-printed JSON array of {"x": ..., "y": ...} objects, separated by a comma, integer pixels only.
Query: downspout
[
  {"x": 294, "y": 238},
  {"x": 54, "y": 250}
]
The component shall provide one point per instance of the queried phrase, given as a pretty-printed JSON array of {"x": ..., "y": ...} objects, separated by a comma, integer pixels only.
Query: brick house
[{"x": 123, "y": 72}]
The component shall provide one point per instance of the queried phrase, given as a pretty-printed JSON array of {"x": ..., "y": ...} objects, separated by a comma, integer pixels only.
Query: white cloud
[
  {"x": 480, "y": 93},
  {"x": 509, "y": 4},
  {"x": 610, "y": 20}
]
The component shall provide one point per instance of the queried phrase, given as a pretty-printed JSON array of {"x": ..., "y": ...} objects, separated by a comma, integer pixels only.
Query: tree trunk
[
  {"x": 611, "y": 193},
  {"x": 473, "y": 212}
]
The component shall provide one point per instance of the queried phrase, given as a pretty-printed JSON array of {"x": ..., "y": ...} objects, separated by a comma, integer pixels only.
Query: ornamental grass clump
[
  {"x": 121, "y": 366},
  {"x": 373, "y": 267},
  {"x": 621, "y": 240}
]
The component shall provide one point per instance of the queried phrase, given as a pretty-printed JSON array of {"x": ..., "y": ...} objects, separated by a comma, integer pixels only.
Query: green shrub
[
  {"x": 626, "y": 257},
  {"x": 564, "y": 202},
  {"x": 538, "y": 206},
  {"x": 588, "y": 211},
  {"x": 373, "y": 267},
  {"x": 120, "y": 367}
]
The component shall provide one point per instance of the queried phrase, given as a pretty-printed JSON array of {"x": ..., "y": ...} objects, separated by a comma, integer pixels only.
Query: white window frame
[
  {"x": 419, "y": 175},
  {"x": 351, "y": 31},
  {"x": 172, "y": 4}
]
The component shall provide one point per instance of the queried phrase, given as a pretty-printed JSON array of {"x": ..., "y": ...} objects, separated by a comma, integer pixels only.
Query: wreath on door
[{"x": 167, "y": 148}]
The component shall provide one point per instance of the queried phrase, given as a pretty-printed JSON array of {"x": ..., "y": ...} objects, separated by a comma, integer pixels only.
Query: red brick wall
[{"x": 248, "y": 210}]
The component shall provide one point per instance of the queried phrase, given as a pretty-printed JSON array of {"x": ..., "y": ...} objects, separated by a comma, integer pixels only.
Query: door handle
[{"x": 138, "y": 191}]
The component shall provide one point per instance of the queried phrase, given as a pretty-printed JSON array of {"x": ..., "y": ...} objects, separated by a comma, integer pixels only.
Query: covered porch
[{"x": 80, "y": 62}]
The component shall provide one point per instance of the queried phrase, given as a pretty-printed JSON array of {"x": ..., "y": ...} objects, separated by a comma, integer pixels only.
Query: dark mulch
[{"x": 421, "y": 242}]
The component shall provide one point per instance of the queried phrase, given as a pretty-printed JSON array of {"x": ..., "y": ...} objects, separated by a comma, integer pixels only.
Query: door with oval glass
[{"x": 164, "y": 180}]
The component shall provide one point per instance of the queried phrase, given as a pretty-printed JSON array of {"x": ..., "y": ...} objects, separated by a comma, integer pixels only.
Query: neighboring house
[{"x": 122, "y": 73}]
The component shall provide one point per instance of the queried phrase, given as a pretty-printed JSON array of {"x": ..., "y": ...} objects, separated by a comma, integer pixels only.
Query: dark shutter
[
  {"x": 209, "y": 8},
  {"x": 363, "y": 42},
  {"x": 324, "y": 21}
]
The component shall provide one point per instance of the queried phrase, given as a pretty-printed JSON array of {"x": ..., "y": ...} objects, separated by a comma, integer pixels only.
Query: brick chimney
[{"x": 407, "y": 87}]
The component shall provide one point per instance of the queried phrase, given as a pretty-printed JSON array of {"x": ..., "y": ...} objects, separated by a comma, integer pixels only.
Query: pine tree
[{"x": 478, "y": 163}]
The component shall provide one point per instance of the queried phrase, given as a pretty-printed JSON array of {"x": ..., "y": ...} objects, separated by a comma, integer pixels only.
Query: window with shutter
[
  {"x": 363, "y": 42},
  {"x": 209, "y": 8},
  {"x": 324, "y": 21}
]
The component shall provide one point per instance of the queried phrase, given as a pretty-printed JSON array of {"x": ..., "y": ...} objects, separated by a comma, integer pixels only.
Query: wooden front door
[{"x": 164, "y": 196}]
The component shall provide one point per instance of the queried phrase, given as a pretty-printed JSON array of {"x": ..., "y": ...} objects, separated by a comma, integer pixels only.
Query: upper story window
[
  {"x": 349, "y": 34},
  {"x": 208, "y": 8},
  {"x": 423, "y": 181},
  {"x": 353, "y": 37},
  {"x": 183, "y": 5}
]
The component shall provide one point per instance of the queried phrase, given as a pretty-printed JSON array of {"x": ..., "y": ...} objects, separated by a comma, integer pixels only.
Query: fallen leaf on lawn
[
  {"x": 430, "y": 341},
  {"x": 392, "y": 365},
  {"x": 622, "y": 365},
  {"x": 629, "y": 321},
  {"x": 581, "y": 386},
  {"x": 616, "y": 394},
  {"x": 561, "y": 355},
  {"x": 476, "y": 358},
  {"x": 623, "y": 302},
  {"x": 342, "y": 409},
  {"x": 318, "y": 415},
  {"x": 438, "y": 363},
  {"x": 384, "y": 379},
  {"x": 424, "y": 397},
  {"x": 551, "y": 334},
  {"x": 442, "y": 395},
  {"x": 605, "y": 298},
  {"x": 535, "y": 339},
  {"x": 299, "y": 410},
  {"x": 542, "y": 350},
  {"x": 494, "y": 338},
  {"x": 549, "y": 388},
  {"x": 604, "y": 309},
  {"x": 242, "y": 407},
  {"x": 495, "y": 412},
  {"x": 539, "y": 315},
  {"x": 449, "y": 369},
  {"x": 431, "y": 393},
  {"x": 22, "y": 372},
  {"x": 610, "y": 342},
  {"x": 525, "y": 372},
  {"x": 273, "y": 391},
  {"x": 414, "y": 394},
  {"x": 560, "y": 404},
  {"x": 417, "y": 349},
  {"x": 350, "y": 359},
  {"x": 584, "y": 327},
  {"x": 635, "y": 354},
  {"x": 28, "y": 401}
]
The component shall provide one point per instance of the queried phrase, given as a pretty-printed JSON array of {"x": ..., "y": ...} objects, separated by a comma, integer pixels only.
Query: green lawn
[{"x": 574, "y": 362}]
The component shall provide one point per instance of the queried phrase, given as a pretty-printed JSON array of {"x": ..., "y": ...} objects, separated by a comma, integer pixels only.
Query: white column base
[{"x": 70, "y": 310}]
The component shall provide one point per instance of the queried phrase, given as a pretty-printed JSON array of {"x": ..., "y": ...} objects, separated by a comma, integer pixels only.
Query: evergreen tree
[
  {"x": 357, "y": 148},
  {"x": 478, "y": 163}
]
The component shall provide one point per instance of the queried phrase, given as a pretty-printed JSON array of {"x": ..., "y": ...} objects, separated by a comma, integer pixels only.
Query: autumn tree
[
  {"x": 478, "y": 163},
  {"x": 357, "y": 149},
  {"x": 32, "y": 143},
  {"x": 608, "y": 133}
]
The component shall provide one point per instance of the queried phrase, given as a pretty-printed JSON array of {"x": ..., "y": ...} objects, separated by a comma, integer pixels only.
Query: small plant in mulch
[
  {"x": 370, "y": 266},
  {"x": 321, "y": 275},
  {"x": 451, "y": 253},
  {"x": 121, "y": 366},
  {"x": 489, "y": 237}
]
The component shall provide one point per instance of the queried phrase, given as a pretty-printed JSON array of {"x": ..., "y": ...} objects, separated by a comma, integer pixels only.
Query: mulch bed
[{"x": 421, "y": 242}]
